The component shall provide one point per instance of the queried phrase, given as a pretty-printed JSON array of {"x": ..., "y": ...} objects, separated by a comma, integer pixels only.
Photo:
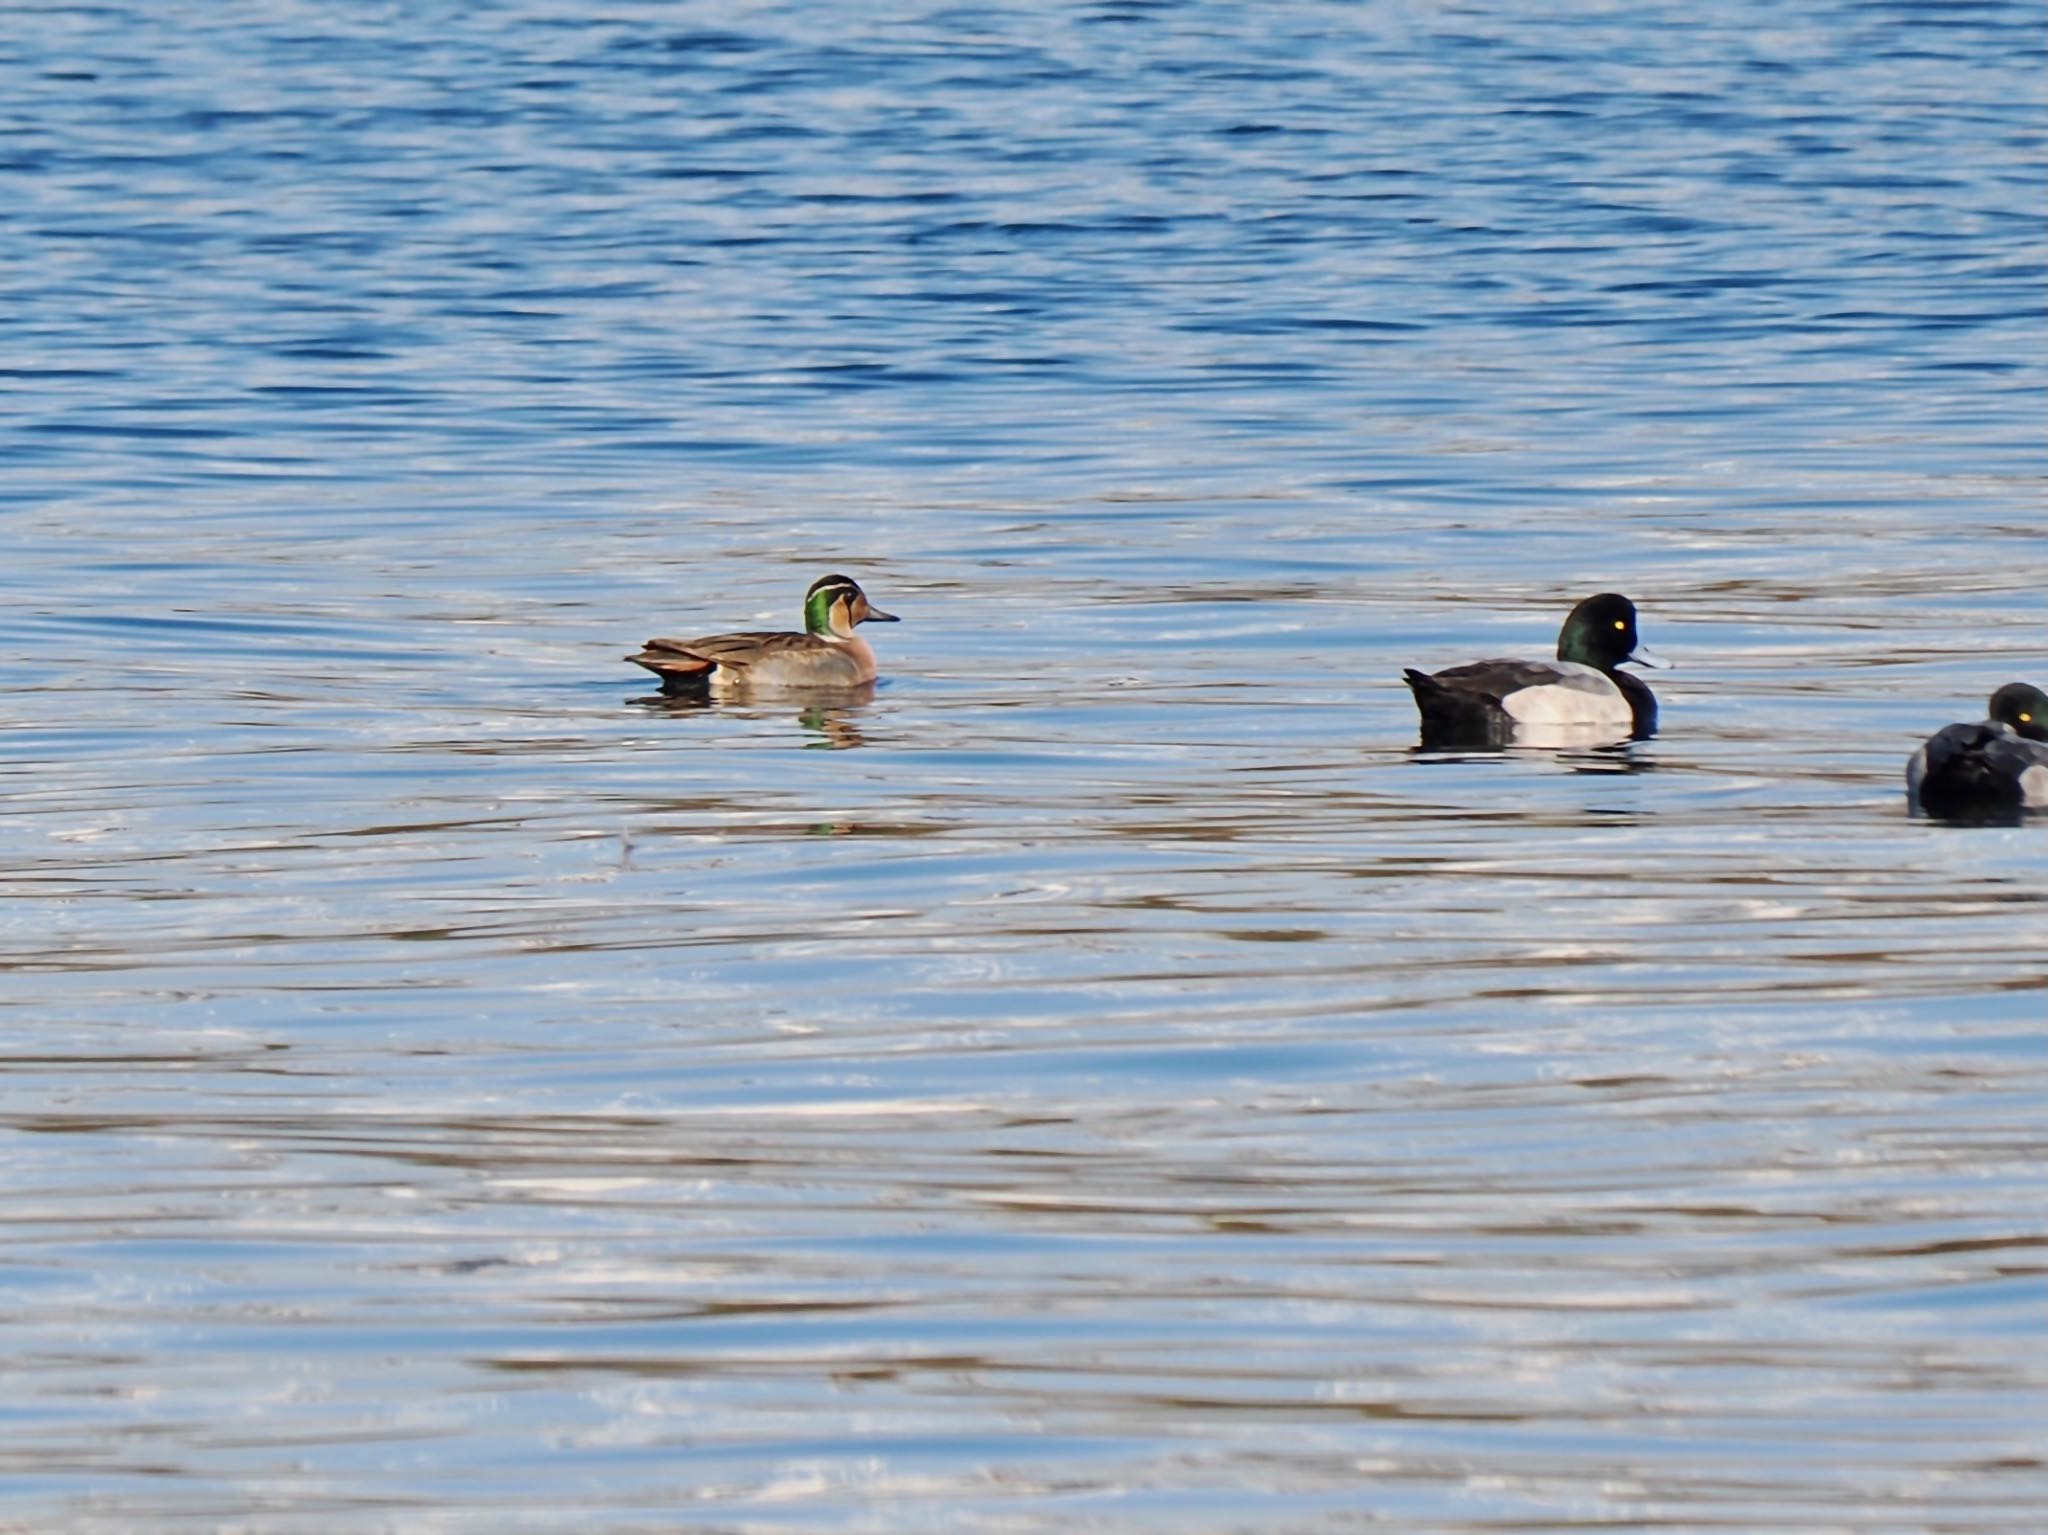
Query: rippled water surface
[{"x": 1107, "y": 1080}]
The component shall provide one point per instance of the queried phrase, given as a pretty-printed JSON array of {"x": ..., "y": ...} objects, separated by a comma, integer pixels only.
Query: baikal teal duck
[{"x": 828, "y": 655}]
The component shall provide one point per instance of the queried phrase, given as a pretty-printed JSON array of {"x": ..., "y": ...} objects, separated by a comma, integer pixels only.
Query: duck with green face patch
[
  {"x": 1580, "y": 699},
  {"x": 1996, "y": 768},
  {"x": 828, "y": 655}
]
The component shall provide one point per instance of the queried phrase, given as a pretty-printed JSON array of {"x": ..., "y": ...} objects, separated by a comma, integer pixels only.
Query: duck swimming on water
[
  {"x": 827, "y": 655},
  {"x": 1997, "y": 767},
  {"x": 1578, "y": 699}
]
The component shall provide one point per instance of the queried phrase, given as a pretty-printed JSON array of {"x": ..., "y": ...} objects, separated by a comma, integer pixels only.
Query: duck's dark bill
[{"x": 1643, "y": 655}]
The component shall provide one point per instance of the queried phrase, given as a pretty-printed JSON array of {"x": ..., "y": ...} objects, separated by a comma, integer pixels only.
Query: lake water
[{"x": 1107, "y": 1081}]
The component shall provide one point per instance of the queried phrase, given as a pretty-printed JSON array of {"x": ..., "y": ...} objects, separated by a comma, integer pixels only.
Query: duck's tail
[
  {"x": 1421, "y": 684},
  {"x": 680, "y": 671},
  {"x": 1454, "y": 717}
]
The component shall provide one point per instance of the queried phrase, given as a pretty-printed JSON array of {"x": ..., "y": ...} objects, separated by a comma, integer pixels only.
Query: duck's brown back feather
[{"x": 769, "y": 658}]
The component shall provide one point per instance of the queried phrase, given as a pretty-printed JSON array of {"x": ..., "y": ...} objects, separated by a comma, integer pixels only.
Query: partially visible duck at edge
[
  {"x": 827, "y": 655},
  {"x": 1578, "y": 699},
  {"x": 1997, "y": 767}
]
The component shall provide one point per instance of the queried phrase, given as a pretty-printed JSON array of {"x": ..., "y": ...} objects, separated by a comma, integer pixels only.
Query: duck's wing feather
[
  {"x": 1497, "y": 679},
  {"x": 759, "y": 661},
  {"x": 1460, "y": 706},
  {"x": 1502, "y": 701},
  {"x": 682, "y": 660},
  {"x": 740, "y": 649},
  {"x": 1978, "y": 769}
]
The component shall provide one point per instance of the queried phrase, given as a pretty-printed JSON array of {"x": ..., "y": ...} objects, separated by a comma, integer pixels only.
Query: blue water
[{"x": 1105, "y": 1081}]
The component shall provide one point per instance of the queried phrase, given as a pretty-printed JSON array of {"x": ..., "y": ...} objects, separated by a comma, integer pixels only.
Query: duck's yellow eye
[
  {"x": 2026, "y": 719},
  {"x": 1621, "y": 623}
]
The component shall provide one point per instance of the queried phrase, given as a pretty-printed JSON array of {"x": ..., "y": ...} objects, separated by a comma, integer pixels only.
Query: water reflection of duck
[
  {"x": 1575, "y": 700},
  {"x": 1995, "y": 767},
  {"x": 827, "y": 655},
  {"x": 834, "y": 722}
]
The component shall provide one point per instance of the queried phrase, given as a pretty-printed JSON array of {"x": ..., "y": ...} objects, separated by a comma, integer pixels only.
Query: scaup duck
[
  {"x": 1577, "y": 699},
  {"x": 1994, "y": 768}
]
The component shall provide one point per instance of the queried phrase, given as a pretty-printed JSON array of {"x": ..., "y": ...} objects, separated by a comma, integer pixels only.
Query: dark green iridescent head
[
  {"x": 2024, "y": 707},
  {"x": 834, "y": 604},
  {"x": 1601, "y": 632}
]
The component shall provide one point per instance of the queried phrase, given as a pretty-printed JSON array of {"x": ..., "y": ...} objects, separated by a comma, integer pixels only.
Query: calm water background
[{"x": 1105, "y": 1081}]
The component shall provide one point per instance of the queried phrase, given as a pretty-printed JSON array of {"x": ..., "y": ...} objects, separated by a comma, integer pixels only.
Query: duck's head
[
  {"x": 2024, "y": 707},
  {"x": 1601, "y": 632},
  {"x": 834, "y": 604}
]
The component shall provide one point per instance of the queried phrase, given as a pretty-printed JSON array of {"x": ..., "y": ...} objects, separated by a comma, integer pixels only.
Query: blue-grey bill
[{"x": 1643, "y": 655}]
